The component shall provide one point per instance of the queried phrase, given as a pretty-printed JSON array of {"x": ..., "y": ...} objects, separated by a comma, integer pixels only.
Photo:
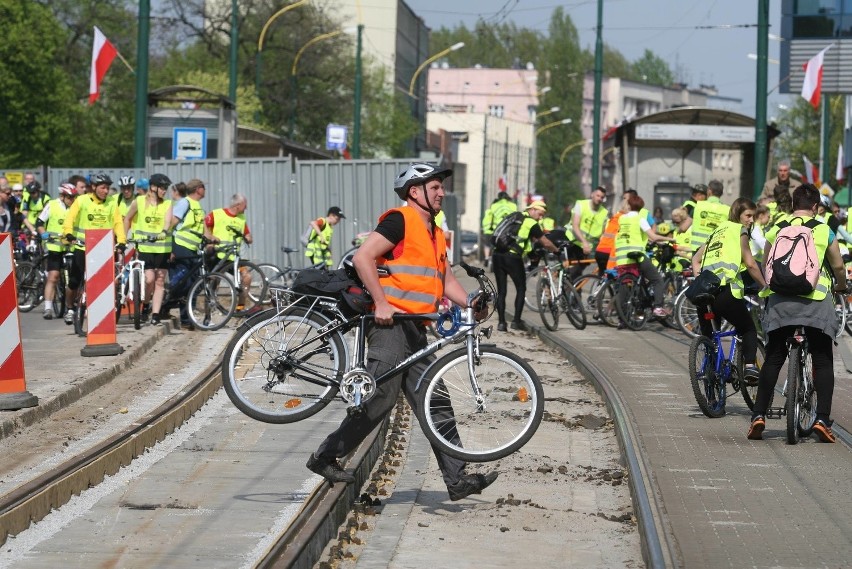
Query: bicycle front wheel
[
  {"x": 279, "y": 369},
  {"x": 588, "y": 286},
  {"x": 137, "y": 300},
  {"x": 606, "y": 304},
  {"x": 30, "y": 284},
  {"x": 706, "y": 384},
  {"x": 572, "y": 304},
  {"x": 548, "y": 304},
  {"x": 531, "y": 298},
  {"x": 840, "y": 309},
  {"x": 629, "y": 303},
  {"x": 211, "y": 302},
  {"x": 483, "y": 417}
]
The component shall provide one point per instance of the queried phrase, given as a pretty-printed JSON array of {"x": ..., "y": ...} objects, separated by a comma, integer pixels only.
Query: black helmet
[
  {"x": 34, "y": 186},
  {"x": 418, "y": 173},
  {"x": 502, "y": 196},
  {"x": 159, "y": 180},
  {"x": 99, "y": 179}
]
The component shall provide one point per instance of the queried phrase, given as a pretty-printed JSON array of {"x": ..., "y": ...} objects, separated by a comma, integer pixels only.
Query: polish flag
[
  {"x": 103, "y": 52},
  {"x": 811, "y": 172},
  {"x": 840, "y": 173},
  {"x": 501, "y": 183},
  {"x": 812, "y": 85}
]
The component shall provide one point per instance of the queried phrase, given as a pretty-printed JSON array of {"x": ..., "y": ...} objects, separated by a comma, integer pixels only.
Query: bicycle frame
[{"x": 723, "y": 364}]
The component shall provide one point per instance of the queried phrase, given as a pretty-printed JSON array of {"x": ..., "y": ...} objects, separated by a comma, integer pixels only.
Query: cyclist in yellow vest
[
  {"x": 500, "y": 208},
  {"x": 588, "y": 219},
  {"x": 187, "y": 228},
  {"x": 223, "y": 226},
  {"x": 125, "y": 196},
  {"x": 814, "y": 311},
  {"x": 699, "y": 194},
  {"x": 93, "y": 211},
  {"x": 708, "y": 215},
  {"x": 634, "y": 231},
  {"x": 318, "y": 249},
  {"x": 32, "y": 202},
  {"x": 150, "y": 218},
  {"x": 49, "y": 227},
  {"x": 728, "y": 255},
  {"x": 683, "y": 236},
  {"x": 511, "y": 264}
]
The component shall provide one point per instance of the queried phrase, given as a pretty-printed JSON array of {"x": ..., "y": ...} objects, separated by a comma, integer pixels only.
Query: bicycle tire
[
  {"x": 29, "y": 281},
  {"x": 841, "y": 311},
  {"x": 548, "y": 305},
  {"x": 81, "y": 320},
  {"x": 273, "y": 273},
  {"x": 489, "y": 429},
  {"x": 257, "y": 291},
  {"x": 669, "y": 296},
  {"x": 292, "y": 393},
  {"x": 606, "y": 305},
  {"x": 629, "y": 303},
  {"x": 793, "y": 404},
  {"x": 137, "y": 302},
  {"x": 848, "y": 325},
  {"x": 588, "y": 286},
  {"x": 531, "y": 297},
  {"x": 686, "y": 315},
  {"x": 807, "y": 415},
  {"x": 347, "y": 256},
  {"x": 749, "y": 387},
  {"x": 706, "y": 385},
  {"x": 211, "y": 301},
  {"x": 572, "y": 304}
]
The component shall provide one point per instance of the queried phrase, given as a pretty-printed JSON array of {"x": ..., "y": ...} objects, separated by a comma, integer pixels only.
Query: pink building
[{"x": 505, "y": 93}]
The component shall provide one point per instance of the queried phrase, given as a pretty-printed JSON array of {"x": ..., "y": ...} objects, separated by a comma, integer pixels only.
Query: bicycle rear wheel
[
  {"x": 211, "y": 301},
  {"x": 686, "y": 315},
  {"x": 488, "y": 423},
  {"x": 669, "y": 297},
  {"x": 531, "y": 298},
  {"x": 137, "y": 301},
  {"x": 748, "y": 385},
  {"x": 588, "y": 286},
  {"x": 30, "y": 284},
  {"x": 795, "y": 393},
  {"x": 255, "y": 285},
  {"x": 707, "y": 387},
  {"x": 548, "y": 305},
  {"x": 572, "y": 304},
  {"x": 629, "y": 303},
  {"x": 606, "y": 304},
  {"x": 278, "y": 370}
]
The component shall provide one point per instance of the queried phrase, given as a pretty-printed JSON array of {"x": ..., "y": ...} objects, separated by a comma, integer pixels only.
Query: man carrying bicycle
[
  {"x": 92, "y": 211},
  {"x": 408, "y": 243},
  {"x": 49, "y": 226},
  {"x": 814, "y": 312}
]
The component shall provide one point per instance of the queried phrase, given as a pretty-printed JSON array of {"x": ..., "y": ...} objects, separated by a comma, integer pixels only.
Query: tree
[
  {"x": 800, "y": 135},
  {"x": 652, "y": 69},
  {"x": 37, "y": 101}
]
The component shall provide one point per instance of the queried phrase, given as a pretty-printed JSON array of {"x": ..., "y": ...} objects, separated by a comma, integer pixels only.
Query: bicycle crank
[{"x": 357, "y": 386}]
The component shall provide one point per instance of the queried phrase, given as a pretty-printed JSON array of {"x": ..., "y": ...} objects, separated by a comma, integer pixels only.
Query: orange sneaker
[
  {"x": 755, "y": 432},
  {"x": 823, "y": 431}
]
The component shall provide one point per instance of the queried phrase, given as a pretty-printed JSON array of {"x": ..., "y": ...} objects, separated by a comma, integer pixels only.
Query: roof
[{"x": 188, "y": 93}]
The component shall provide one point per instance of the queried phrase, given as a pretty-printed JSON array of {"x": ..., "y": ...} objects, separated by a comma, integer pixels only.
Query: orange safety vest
[
  {"x": 607, "y": 242},
  {"x": 416, "y": 280}
]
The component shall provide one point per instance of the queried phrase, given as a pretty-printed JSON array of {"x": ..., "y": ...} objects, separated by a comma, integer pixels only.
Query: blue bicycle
[{"x": 712, "y": 367}]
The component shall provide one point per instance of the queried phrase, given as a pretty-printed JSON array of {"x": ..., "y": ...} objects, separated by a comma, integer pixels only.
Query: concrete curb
[{"x": 46, "y": 407}]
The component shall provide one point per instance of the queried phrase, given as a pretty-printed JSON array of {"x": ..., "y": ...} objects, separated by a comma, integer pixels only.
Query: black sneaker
[
  {"x": 155, "y": 320},
  {"x": 501, "y": 327},
  {"x": 329, "y": 469},
  {"x": 471, "y": 484},
  {"x": 517, "y": 325}
]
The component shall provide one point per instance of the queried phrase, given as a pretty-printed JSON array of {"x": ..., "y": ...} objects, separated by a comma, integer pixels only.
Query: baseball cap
[
  {"x": 538, "y": 204},
  {"x": 336, "y": 211}
]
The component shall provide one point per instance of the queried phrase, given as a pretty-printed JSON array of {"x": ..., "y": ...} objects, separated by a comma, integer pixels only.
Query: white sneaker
[
  {"x": 48, "y": 314},
  {"x": 69, "y": 317}
]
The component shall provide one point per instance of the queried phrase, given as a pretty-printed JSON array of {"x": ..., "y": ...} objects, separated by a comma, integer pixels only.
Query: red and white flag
[
  {"x": 812, "y": 85},
  {"x": 811, "y": 172},
  {"x": 103, "y": 52},
  {"x": 840, "y": 173},
  {"x": 501, "y": 183}
]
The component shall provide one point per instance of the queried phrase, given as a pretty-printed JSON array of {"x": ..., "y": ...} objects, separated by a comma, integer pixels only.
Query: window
[{"x": 495, "y": 110}]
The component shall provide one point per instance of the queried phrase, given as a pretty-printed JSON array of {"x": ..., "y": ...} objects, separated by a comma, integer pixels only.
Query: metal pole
[
  {"x": 235, "y": 37},
  {"x": 482, "y": 243},
  {"x": 293, "y": 87},
  {"x": 356, "y": 124},
  {"x": 141, "y": 116},
  {"x": 760, "y": 143},
  {"x": 596, "y": 113},
  {"x": 825, "y": 130}
]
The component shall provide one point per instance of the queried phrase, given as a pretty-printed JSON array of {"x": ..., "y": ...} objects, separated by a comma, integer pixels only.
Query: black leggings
[
  {"x": 820, "y": 347},
  {"x": 506, "y": 264},
  {"x": 734, "y": 311}
]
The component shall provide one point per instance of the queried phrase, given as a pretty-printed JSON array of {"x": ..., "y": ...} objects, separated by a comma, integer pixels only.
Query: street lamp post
[
  {"x": 423, "y": 65},
  {"x": 356, "y": 124},
  {"x": 295, "y": 68},
  {"x": 569, "y": 148},
  {"x": 537, "y": 132},
  {"x": 259, "y": 58},
  {"x": 549, "y": 111},
  {"x": 550, "y": 125}
]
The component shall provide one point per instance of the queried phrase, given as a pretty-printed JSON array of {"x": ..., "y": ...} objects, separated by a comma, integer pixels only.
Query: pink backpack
[{"x": 792, "y": 266}]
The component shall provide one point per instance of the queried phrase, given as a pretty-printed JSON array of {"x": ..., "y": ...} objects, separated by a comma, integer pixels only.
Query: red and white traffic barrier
[
  {"x": 100, "y": 294},
  {"x": 13, "y": 385}
]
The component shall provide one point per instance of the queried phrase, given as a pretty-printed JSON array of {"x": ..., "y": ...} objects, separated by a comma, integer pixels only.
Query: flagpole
[
  {"x": 823, "y": 139},
  {"x": 124, "y": 61}
]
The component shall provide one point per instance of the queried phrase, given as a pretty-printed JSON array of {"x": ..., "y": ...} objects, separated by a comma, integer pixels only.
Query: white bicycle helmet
[
  {"x": 125, "y": 181},
  {"x": 66, "y": 189},
  {"x": 418, "y": 173}
]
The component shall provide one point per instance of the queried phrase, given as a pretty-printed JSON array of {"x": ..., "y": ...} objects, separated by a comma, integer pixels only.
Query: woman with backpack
[
  {"x": 814, "y": 311},
  {"x": 728, "y": 254}
]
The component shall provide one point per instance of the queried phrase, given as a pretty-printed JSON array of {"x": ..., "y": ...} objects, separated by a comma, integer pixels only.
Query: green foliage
[
  {"x": 800, "y": 135},
  {"x": 652, "y": 69},
  {"x": 495, "y": 46}
]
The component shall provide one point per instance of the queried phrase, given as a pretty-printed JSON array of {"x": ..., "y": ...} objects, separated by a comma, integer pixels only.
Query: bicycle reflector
[{"x": 449, "y": 322}]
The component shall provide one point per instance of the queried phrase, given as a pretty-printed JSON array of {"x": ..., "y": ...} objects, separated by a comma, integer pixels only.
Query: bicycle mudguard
[{"x": 431, "y": 365}]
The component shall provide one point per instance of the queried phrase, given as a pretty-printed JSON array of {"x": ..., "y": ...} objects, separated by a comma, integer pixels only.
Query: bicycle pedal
[
  {"x": 355, "y": 411},
  {"x": 776, "y": 412}
]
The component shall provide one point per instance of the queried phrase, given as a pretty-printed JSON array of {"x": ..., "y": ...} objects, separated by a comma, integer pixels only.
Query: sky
[{"x": 703, "y": 41}]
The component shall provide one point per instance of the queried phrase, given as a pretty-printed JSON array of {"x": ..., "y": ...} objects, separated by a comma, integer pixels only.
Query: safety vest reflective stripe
[
  {"x": 408, "y": 295},
  {"x": 416, "y": 271},
  {"x": 192, "y": 222}
]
